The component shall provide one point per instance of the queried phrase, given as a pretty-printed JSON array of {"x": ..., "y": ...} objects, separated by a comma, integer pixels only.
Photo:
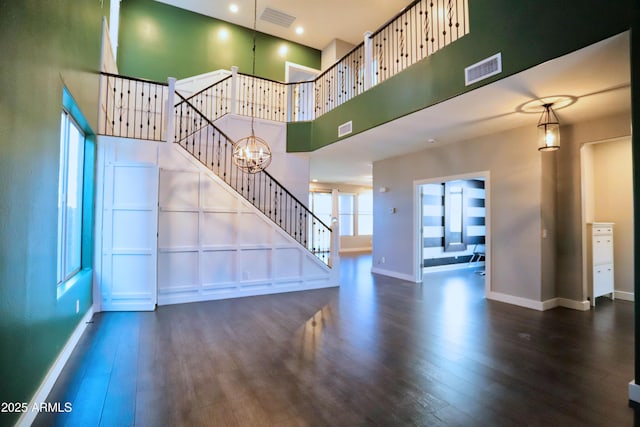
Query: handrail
[
  {"x": 396, "y": 16},
  {"x": 358, "y": 46},
  {"x": 198, "y": 135},
  {"x": 201, "y": 91},
  {"x": 210, "y": 123},
  {"x": 138, "y": 79}
]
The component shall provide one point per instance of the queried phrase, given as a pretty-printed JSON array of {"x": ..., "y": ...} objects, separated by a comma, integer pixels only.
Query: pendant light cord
[{"x": 253, "y": 64}]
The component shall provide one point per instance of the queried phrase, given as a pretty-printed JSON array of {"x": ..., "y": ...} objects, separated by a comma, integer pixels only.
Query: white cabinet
[{"x": 600, "y": 260}]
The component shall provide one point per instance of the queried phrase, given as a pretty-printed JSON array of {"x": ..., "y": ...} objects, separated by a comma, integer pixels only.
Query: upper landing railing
[{"x": 419, "y": 30}]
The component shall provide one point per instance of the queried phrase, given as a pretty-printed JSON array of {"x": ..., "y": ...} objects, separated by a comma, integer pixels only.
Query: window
[
  {"x": 365, "y": 213},
  {"x": 346, "y": 203},
  {"x": 70, "y": 189},
  {"x": 321, "y": 206}
]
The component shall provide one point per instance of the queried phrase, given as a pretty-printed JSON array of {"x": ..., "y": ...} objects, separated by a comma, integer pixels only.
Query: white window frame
[
  {"x": 65, "y": 234},
  {"x": 353, "y": 215},
  {"x": 359, "y": 214}
]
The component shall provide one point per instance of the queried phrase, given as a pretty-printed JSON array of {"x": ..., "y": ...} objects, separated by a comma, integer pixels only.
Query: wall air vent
[
  {"x": 345, "y": 129},
  {"x": 277, "y": 17},
  {"x": 483, "y": 69}
]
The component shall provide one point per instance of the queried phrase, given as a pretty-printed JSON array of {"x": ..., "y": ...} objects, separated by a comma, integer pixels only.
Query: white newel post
[
  {"x": 171, "y": 96},
  {"x": 334, "y": 249},
  {"x": 368, "y": 61},
  {"x": 234, "y": 89}
]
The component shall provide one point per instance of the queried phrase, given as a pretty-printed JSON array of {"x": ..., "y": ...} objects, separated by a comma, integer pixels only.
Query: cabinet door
[
  {"x": 602, "y": 250},
  {"x": 602, "y": 280}
]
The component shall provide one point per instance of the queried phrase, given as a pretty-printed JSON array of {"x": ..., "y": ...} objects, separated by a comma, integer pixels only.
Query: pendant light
[
  {"x": 548, "y": 130},
  {"x": 252, "y": 154}
]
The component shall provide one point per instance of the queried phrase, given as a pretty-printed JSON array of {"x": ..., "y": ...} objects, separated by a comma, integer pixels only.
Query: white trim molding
[
  {"x": 362, "y": 249},
  {"x": 539, "y": 305},
  {"x": 566, "y": 303},
  {"x": 394, "y": 274},
  {"x": 28, "y": 417},
  {"x": 519, "y": 301},
  {"x": 625, "y": 296}
]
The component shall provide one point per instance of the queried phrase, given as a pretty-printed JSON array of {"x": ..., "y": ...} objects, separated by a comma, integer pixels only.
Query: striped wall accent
[{"x": 433, "y": 222}]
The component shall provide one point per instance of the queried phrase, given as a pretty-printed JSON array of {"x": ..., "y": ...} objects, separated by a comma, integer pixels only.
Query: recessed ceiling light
[
  {"x": 299, "y": 30},
  {"x": 233, "y": 8}
]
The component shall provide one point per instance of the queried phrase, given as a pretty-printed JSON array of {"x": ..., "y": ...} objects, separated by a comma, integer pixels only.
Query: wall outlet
[{"x": 77, "y": 306}]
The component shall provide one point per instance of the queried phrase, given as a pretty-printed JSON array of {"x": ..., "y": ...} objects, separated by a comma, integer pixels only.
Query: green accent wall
[
  {"x": 157, "y": 41},
  {"x": 526, "y": 32},
  {"x": 45, "y": 47}
]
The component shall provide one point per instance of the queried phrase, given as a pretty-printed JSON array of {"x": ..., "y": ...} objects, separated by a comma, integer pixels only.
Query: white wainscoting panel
[
  {"x": 213, "y": 244},
  {"x": 127, "y": 198}
]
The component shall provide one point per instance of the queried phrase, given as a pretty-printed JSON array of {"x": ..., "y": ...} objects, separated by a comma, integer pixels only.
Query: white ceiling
[
  {"x": 597, "y": 76},
  {"x": 322, "y": 21}
]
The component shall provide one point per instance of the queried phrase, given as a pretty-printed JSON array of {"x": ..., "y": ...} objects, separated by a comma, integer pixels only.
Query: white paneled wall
[
  {"x": 213, "y": 244},
  {"x": 126, "y": 225},
  {"x": 169, "y": 231}
]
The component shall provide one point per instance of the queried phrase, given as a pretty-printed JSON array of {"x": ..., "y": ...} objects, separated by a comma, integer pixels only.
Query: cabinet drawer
[{"x": 599, "y": 231}]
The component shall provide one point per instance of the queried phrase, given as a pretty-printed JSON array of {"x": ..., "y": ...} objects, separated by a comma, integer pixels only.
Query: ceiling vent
[
  {"x": 345, "y": 129},
  {"x": 483, "y": 69},
  {"x": 276, "y": 17}
]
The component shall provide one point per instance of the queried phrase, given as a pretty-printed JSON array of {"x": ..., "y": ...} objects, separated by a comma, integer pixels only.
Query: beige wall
[
  {"x": 569, "y": 219},
  {"x": 334, "y": 51},
  {"x": 613, "y": 202},
  {"x": 514, "y": 192}
]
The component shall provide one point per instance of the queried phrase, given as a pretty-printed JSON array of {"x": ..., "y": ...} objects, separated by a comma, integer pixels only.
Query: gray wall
[
  {"x": 531, "y": 194},
  {"x": 514, "y": 192}
]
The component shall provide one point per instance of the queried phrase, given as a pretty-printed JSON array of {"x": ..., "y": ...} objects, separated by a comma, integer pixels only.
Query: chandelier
[{"x": 252, "y": 154}]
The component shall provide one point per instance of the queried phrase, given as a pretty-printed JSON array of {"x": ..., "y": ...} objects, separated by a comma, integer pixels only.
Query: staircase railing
[
  {"x": 132, "y": 107},
  {"x": 216, "y": 100},
  {"x": 137, "y": 108},
  {"x": 213, "y": 148},
  {"x": 419, "y": 30}
]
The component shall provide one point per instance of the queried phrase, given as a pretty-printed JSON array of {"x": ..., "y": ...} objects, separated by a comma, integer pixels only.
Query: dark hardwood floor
[{"x": 376, "y": 351}]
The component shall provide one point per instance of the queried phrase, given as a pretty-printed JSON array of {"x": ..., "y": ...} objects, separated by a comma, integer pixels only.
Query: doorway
[
  {"x": 301, "y": 95},
  {"x": 452, "y": 219}
]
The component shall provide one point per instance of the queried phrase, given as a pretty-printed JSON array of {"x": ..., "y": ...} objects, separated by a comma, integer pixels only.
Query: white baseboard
[
  {"x": 566, "y": 303},
  {"x": 27, "y": 417},
  {"x": 519, "y": 301},
  {"x": 450, "y": 267},
  {"x": 234, "y": 292},
  {"x": 634, "y": 391},
  {"x": 540, "y": 305},
  {"x": 625, "y": 296},
  {"x": 394, "y": 274},
  {"x": 347, "y": 250}
]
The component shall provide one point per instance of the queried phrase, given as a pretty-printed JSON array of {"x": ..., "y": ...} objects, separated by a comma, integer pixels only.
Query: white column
[
  {"x": 234, "y": 90},
  {"x": 368, "y": 61},
  {"x": 171, "y": 96},
  {"x": 114, "y": 25}
]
